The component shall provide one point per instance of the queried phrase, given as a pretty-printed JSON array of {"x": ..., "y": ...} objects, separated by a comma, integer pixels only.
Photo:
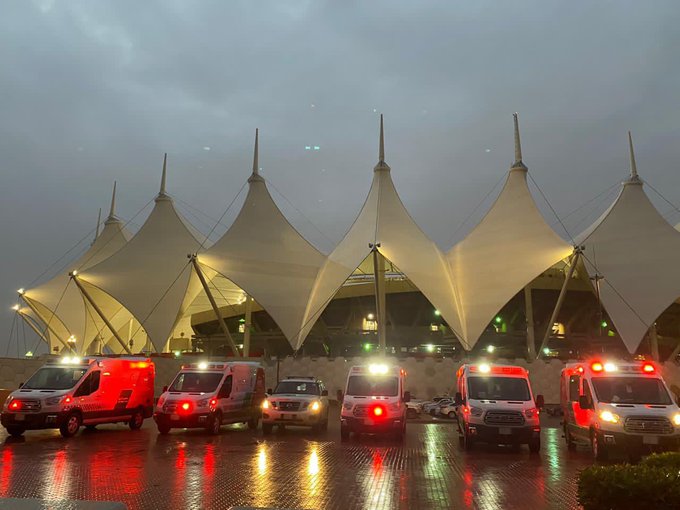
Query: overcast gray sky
[{"x": 96, "y": 91}]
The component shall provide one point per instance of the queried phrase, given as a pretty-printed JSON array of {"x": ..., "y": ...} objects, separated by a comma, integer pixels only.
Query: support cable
[{"x": 221, "y": 218}]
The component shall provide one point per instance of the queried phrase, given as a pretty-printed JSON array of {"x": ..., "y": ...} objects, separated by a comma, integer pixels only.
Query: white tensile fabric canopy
[
  {"x": 635, "y": 252},
  {"x": 151, "y": 275},
  {"x": 385, "y": 221},
  {"x": 264, "y": 255},
  {"x": 59, "y": 304},
  {"x": 510, "y": 247}
]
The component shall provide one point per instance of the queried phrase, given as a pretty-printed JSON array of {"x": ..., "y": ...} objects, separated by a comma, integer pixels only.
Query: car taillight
[
  {"x": 15, "y": 405},
  {"x": 648, "y": 368},
  {"x": 67, "y": 400},
  {"x": 185, "y": 406}
]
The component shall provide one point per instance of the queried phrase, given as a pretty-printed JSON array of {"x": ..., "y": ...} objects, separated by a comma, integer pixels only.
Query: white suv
[{"x": 298, "y": 401}]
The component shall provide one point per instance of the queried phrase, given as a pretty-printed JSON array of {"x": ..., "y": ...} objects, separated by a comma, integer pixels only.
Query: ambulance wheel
[
  {"x": 571, "y": 444},
  {"x": 535, "y": 445},
  {"x": 465, "y": 441},
  {"x": 452, "y": 415},
  {"x": 163, "y": 429},
  {"x": 344, "y": 433},
  {"x": 214, "y": 424},
  {"x": 411, "y": 413},
  {"x": 71, "y": 425},
  {"x": 253, "y": 422},
  {"x": 137, "y": 420},
  {"x": 267, "y": 428},
  {"x": 15, "y": 431},
  {"x": 599, "y": 449}
]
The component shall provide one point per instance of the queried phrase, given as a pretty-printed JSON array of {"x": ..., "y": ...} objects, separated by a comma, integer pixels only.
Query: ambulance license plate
[
  {"x": 505, "y": 431},
  {"x": 19, "y": 417},
  {"x": 369, "y": 422},
  {"x": 174, "y": 417},
  {"x": 287, "y": 416},
  {"x": 650, "y": 439}
]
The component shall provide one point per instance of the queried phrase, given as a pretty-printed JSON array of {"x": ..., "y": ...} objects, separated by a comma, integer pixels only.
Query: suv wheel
[{"x": 15, "y": 431}]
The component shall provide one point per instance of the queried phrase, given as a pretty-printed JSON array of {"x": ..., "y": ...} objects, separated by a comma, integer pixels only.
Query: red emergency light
[
  {"x": 378, "y": 411},
  {"x": 185, "y": 407},
  {"x": 648, "y": 368},
  {"x": 15, "y": 405},
  {"x": 597, "y": 366},
  {"x": 213, "y": 404}
]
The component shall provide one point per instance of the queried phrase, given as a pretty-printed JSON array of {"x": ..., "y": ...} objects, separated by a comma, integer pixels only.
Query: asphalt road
[{"x": 295, "y": 469}]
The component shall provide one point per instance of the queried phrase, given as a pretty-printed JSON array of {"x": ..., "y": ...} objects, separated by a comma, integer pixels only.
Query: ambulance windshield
[
  {"x": 196, "y": 382},
  {"x": 498, "y": 388},
  {"x": 373, "y": 386},
  {"x": 55, "y": 378},
  {"x": 631, "y": 390}
]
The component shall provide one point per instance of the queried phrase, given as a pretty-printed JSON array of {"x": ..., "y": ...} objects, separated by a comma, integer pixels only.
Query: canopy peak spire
[
  {"x": 165, "y": 164},
  {"x": 381, "y": 151},
  {"x": 99, "y": 220},
  {"x": 518, "y": 145},
  {"x": 255, "y": 176},
  {"x": 256, "y": 169},
  {"x": 634, "y": 177},
  {"x": 112, "y": 210}
]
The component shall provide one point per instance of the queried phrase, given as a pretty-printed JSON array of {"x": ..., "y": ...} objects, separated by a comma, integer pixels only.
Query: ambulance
[
  {"x": 69, "y": 392},
  {"x": 210, "y": 394},
  {"x": 374, "y": 401},
  {"x": 618, "y": 405},
  {"x": 496, "y": 405}
]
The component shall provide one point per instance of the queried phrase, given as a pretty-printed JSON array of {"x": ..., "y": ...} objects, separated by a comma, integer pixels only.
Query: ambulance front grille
[
  {"x": 30, "y": 405},
  {"x": 503, "y": 418},
  {"x": 648, "y": 425}
]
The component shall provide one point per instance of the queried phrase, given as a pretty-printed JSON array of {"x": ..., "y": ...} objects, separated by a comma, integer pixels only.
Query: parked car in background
[
  {"x": 449, "y": 411},
  {"x": 414, "y": 408},
  {"x": 433, "y": 408}
]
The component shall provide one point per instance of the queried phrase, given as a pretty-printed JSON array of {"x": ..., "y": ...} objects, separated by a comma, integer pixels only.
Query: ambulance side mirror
[
  {"x": 458, "y": 399},
  {"x": 540, "y": 401},
  {"x": 165, "y": 388},
  {"x": 21, "y": 385},
  {"x": 324, "y": 393},
  {"x": 269, "y": 391},
  {"x": 584, "y": 403},
  {"x": 407, "y": 396}
]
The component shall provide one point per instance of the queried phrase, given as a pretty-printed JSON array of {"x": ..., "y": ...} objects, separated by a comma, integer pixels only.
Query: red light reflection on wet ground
[{"x": 295, "y": 469}]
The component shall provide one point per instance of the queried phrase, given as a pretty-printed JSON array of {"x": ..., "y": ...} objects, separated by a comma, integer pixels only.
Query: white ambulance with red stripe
[
  {"x": 374, "y": 401},
  {"x": 618, "y": 405},
  {"x": 496, "y": 405},
  {"x": 69, "y": 392}
]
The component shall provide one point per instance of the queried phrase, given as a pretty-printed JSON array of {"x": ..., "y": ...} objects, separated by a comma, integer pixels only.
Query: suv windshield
[
  {"x": 631, "y": 390},
  {"x": 297, "y": 387},
  {"x": 498, "y": 388},
  {"x": 196, "y": 382},
  {"x": 366, "y": 386},
  {"x": 55, "y": 378}
]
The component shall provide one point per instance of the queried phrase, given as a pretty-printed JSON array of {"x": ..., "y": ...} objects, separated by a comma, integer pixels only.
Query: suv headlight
[
  {"x": 676, "y": 419},
  {"x": 315, "y": 406},
  {"x": 609, "y": 417},
  {"x": 265, "y": 404},
  {"x": 476, "y": 411}
]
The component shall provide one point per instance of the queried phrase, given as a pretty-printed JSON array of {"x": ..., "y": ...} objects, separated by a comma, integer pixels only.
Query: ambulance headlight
[
  {"x": 265, "y": 404},
  {"x": 476, "y": 411},
  {"x": 202, "y": 403},
  {"x": 609, "y": 417},
  {"x": 676, "y": 419},
  {"x": 347, "y": 406},
  {"x": 53, "y": 401}
]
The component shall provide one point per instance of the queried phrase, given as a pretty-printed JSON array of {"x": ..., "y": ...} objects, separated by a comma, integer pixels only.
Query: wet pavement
[{"x": 295, "y": 469}]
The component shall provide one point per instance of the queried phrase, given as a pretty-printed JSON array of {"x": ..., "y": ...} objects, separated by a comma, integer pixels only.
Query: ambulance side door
[
  {"x": 224, "y": 398},
  {"x": 572, "y": 409},
  {"x": 88, "y": 397}
]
